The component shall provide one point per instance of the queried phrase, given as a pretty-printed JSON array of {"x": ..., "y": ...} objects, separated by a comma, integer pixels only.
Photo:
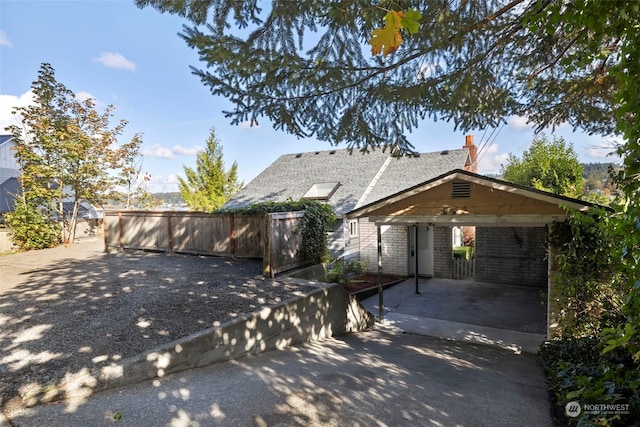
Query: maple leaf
[
  {"x": 411, "y": 21},
  {"x": 387, "y": 40}
]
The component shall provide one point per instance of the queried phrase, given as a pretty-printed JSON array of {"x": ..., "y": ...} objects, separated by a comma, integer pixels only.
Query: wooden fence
[
  {"x": 463, "y": 268},
  {"x": 273, "y": 237}
]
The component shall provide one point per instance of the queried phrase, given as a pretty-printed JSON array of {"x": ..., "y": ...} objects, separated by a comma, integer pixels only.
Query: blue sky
[{"x": 134, "y": 60}]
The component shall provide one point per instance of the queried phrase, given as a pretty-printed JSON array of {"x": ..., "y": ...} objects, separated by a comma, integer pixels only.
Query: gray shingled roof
[{"x": 363, "y": 178}]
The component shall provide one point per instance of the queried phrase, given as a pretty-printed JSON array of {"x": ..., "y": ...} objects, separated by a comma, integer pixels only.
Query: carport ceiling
[{"x": 463, "y": 198}]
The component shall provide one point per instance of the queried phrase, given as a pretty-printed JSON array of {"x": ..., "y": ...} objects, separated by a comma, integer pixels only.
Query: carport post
[
  {"x": 415, "y": 255},
  {"x": 380, "y": 296}
]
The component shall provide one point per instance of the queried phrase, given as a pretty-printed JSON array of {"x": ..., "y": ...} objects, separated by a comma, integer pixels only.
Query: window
[
  {"x": 321, "y": 191},
  {"x": 353, "y": 228}
]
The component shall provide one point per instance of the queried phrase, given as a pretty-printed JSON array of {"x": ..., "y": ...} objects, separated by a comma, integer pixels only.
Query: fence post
[
  {"x": 169, "y": 233},
  {"x": 120, "y": 232},
  {"x": 105, "y": 232},
  {"x": 266, "y": 257},
  {"x": 232, "y": 238}
]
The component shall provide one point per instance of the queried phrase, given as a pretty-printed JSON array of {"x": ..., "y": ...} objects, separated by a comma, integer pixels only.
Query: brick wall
[
  {"x": 513, "y": 255},
  {"x": 442, "y": 252},
  {"x": 395, "y": 253}
]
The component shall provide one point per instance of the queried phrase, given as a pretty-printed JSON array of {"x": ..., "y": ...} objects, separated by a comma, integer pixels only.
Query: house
[
  {"x": 348, "y": 180},
  {"x": 9, "y": 172},
  {"x": 10, "y": 185},
  {"x": 512, "y": 225}
]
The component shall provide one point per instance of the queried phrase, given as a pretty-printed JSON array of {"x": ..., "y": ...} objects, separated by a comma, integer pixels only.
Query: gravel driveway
[{"x": 65, "y": 309}]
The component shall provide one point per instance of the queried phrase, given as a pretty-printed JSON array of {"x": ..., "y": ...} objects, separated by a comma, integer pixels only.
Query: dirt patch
[{"x": 369, "y": 281}]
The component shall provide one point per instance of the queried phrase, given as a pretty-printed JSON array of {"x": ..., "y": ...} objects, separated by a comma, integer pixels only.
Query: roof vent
[
  {"x": 444, "y": 153},
  {"x": 298, "y": 156},
  {"x": 332, "y": 152},
  {"x": 461, "y": 190}
]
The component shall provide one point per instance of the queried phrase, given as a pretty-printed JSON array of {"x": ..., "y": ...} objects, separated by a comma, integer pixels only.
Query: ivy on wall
[{"x": 314, "y": 225}]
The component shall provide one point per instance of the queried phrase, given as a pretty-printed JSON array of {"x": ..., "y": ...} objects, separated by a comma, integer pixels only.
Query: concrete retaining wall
[{"x": 322, "y": 313}]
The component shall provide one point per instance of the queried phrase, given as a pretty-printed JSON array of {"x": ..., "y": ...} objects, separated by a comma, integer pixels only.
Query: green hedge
[
  {"x": 577, "y": 371},
  {"x": 466, "y": 252}
]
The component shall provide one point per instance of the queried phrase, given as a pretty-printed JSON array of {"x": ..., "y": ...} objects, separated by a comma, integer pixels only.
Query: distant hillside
[
  {"x": 596, "y": 176},
  {"x": 171, "y": 199}
]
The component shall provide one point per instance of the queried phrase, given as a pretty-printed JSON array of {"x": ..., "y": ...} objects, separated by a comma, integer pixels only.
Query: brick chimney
[{"x": 473, "y": 153}]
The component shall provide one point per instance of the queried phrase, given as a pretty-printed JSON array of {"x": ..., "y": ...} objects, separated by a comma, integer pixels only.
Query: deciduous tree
[
  {"x": 208, "y": 186},
  {"x": 67, "y": 151},
  {"x": 550, "y": 165},
  {"x": 133, "y": 181}
]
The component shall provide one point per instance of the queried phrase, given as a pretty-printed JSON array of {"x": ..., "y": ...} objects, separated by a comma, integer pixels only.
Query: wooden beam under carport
[{"x": 477, "y": 220}]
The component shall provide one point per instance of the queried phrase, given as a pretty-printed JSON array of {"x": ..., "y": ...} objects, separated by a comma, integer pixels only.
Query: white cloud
[
  {"x": 158, "y": 151},
  {"x": 83, "y": 96},
  {"x": 248, "y": 124},
  {"x": 115, "y": 60},
  {"x": 178, "y": 149},
  {"x": 491, "y": 160},
  {"x": 7, "y": 103},
  {"x": 163, "y": 184},
  {"x": 605, "y": 151},
  {"x": 518, "y": 123},
  {"x": 161, "y": 152},
  {"x": 4, "y": 40}
]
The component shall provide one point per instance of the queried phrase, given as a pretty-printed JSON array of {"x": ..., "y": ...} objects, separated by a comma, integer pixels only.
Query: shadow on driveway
[{"x": 379, "y": 377}]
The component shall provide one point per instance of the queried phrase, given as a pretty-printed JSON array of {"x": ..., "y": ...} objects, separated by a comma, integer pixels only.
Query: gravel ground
[{"x": 65, "y": 309}]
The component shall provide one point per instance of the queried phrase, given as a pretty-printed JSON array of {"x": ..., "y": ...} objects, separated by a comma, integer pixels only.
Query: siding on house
[
  {"x": 7, "y": 156},
  {"x": 9, "y": 167}
]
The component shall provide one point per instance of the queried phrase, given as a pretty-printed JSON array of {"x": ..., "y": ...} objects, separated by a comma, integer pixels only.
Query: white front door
[{"x": 424, "y": 251}]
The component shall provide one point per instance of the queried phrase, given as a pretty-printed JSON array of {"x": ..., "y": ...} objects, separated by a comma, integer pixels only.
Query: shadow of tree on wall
[{"x": 70, "y": 316}]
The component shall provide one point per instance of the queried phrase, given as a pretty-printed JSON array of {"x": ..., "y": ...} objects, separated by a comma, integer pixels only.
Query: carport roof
[{"x": 460, "y": 197}]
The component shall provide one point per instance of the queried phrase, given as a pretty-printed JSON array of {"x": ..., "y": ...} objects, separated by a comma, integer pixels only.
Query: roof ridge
[{"x": 374, "y": 181}]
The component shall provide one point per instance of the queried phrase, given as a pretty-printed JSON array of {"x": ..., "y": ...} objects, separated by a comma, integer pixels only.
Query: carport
[{"x": 508, "y": 214}]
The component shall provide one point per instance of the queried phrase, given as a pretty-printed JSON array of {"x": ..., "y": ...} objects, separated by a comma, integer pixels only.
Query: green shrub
[
  {"x": 466, "y": 252},
  {"x": 342, "y": 271},
  {"x": 577, "y": 370},
  {"x": 29, "y": 229},
  {"x": 589, "y": 286}
]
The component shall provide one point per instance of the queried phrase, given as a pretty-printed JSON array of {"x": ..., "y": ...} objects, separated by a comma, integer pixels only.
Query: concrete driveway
[
  {"x": 382, "y": 377},
  {"x": 508, "y": 316}
]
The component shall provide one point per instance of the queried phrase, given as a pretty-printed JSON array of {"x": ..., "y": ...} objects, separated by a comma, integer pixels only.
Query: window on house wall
[{"x": 353, "y": 228}]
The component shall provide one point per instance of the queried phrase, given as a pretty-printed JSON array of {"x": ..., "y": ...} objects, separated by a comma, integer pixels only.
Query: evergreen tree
[
  {"x": 307, "y": 65},
  {"x": 209, "y": 186}
]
